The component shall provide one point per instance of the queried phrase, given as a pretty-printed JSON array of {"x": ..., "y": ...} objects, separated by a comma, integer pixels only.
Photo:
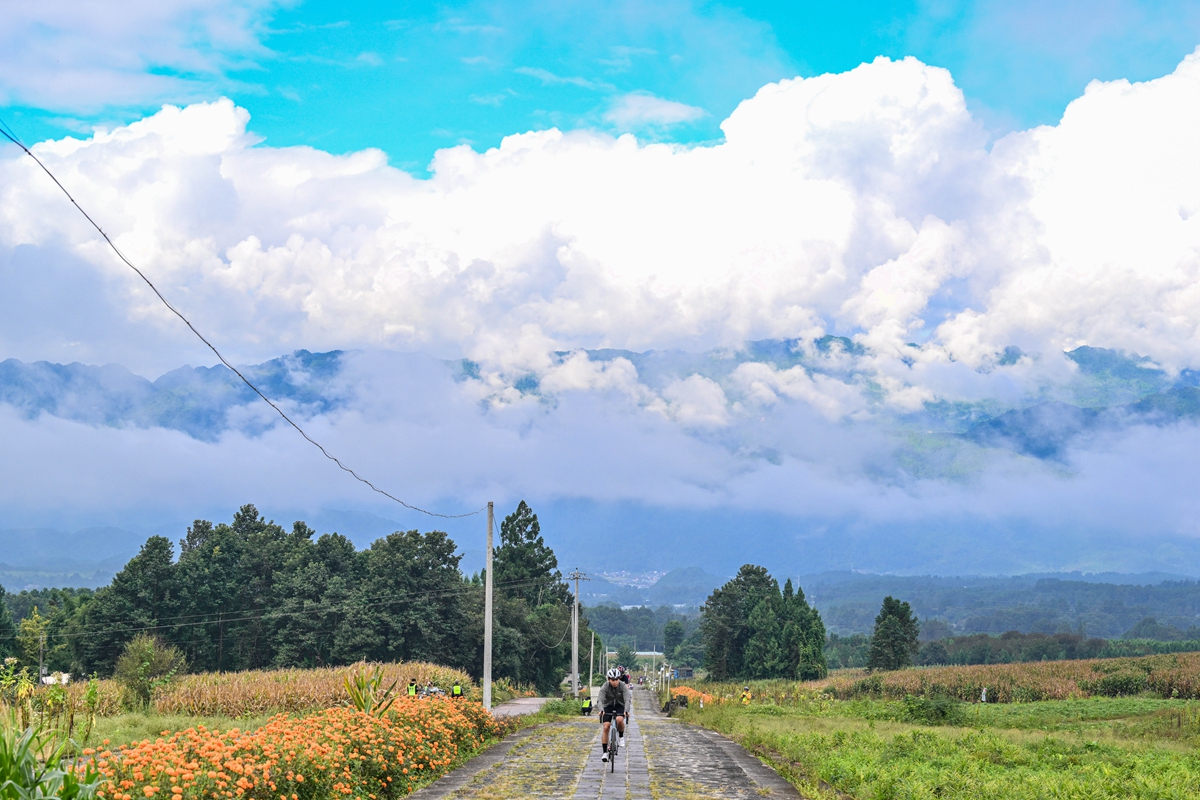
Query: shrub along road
[{"x": 663, "y": 759}]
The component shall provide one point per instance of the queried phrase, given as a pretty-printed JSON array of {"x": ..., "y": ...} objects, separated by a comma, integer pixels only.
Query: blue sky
[{"x": 413, "y": 77}]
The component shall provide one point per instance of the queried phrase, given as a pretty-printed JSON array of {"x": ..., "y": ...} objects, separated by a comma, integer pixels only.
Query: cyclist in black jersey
[{"x": 615, "y": 699}]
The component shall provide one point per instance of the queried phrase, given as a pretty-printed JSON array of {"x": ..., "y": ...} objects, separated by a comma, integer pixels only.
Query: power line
[
  {"x": 253, "y": 616},
  {"x": 6, "y": 131}
]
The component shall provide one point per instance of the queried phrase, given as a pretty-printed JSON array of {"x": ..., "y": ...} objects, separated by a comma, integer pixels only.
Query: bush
[
  {"x": 145, "y": 666},
  {"x": 933, "y": 710}
]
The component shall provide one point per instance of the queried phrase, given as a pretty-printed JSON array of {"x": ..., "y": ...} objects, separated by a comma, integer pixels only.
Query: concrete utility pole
[
  {"x": 487, "y": 616},
  {"x": 591, "y": 662},
  {"x": 576, "y": 576}
]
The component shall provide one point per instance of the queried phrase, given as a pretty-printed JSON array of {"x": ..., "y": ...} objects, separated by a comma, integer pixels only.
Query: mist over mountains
[
  {"x": 1108, "y": 396},
  {"x": 1110, "y": 390}
]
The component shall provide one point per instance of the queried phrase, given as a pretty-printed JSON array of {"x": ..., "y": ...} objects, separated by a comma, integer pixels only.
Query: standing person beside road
[{"x": 614, "y": 699}]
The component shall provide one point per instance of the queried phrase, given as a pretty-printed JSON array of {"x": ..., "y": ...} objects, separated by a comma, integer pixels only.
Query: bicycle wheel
[{"x": 613, "y": 746}]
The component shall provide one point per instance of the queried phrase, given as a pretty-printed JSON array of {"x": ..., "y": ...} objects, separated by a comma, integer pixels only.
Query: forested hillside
[{"x": 1027, "y": 603}]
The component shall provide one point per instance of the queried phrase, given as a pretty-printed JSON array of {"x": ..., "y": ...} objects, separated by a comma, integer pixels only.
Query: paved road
[
  {"x": 663, "y": 759},
  {"x": 520, "y": 705}
]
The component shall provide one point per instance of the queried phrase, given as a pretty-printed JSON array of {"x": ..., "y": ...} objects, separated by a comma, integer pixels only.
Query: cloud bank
[{"x": 864, "y": 205}]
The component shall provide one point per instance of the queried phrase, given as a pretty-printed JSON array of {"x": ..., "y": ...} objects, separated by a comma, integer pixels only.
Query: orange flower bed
[
  {"x": 693, "y": 695},
  {"x": 339, "y": 752}
]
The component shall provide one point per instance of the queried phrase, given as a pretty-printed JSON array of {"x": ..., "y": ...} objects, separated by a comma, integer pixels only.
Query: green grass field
[{"x": 1129, "y": 747}]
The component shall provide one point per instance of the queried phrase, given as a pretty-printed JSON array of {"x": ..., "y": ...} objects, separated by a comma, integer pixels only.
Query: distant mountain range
[
  {"x": 195, "y": 400},
  {"x": 1111, "y": 389}
]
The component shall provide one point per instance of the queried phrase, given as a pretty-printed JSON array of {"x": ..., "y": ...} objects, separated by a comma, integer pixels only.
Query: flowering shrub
[
  {"x": 340, "y": 752},
  {"x": 693, "y": 695}
]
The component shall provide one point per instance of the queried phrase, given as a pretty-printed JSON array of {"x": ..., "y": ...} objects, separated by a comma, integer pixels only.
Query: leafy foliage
[
  {"x": 367, "y": 693},
  {"x": 896, "y": 637},
  {"x": 673, "y": 633},
  {"x": 147, "y": 665},
  {"x": 752, "y": 629},
  {"x": 250, "y": 595},
  {"x": 33, "y": 764},
  {"x": 8, "y": 628},
  {"x": 533, "y": 611}
]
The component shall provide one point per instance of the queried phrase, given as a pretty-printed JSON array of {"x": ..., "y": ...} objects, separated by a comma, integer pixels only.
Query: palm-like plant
[
  {"x": 25, "y": 775},
  {"x": 366, "y": 692}
]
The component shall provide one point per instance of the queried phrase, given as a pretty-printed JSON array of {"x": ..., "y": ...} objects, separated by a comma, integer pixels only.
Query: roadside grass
[{"x": 1091, "y": 748}]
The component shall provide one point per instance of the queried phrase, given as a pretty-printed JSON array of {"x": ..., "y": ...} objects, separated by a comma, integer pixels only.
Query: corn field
[
  {"x": 256, "y": 692},
  {"x": 1175, "y": 675}
]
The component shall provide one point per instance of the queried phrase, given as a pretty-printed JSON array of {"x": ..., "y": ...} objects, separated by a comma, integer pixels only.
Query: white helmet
[{"x": 613, "y": 674}]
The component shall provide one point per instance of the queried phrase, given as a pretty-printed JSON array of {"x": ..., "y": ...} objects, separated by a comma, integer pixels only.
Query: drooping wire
[{"x": 6, "y": 131}]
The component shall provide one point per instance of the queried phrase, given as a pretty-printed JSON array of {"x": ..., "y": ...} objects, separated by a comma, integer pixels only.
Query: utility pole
[
  {"x": 576, "y": 576},
  {"x": 591, "y": 663},
  {"x": 487, "y": 616}
]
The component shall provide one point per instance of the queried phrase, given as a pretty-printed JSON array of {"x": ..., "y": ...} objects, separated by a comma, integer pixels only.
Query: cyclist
[{"x": 614, "y": 698}]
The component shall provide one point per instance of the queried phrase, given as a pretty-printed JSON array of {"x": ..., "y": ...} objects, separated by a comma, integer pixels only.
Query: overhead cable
[{"x": 6, "y": 132}]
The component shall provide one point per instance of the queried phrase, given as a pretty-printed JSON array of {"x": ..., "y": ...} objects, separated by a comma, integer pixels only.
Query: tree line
[
  {"x": 752, "y": 628},
  {"x": 250, "y": 594}
]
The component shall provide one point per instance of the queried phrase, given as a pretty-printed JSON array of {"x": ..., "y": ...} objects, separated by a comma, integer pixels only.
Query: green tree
[
  {"x": 752, "y": 629},
  {"x": 626, "y": 657},
  {"x": 228, "y": 577},
  {"x": 673, "y": 633},
  {"x": 533, "y": 611},
  {"x": 315, "y": 587},
  {"x": 524, "y": 566},
  {"x": 147, "y": 664},
  {"x": 8, "y": 628},
  {"x": 764, "y": 655},
  {"x": 31, "y": 639},
  {"x": 142, "y": 591},
  {"x": 725, "y": 620},
  {"x": 803, "y": 637},
  {"x": 407, "y": 605},
  {"x": 895, "y": 640}
]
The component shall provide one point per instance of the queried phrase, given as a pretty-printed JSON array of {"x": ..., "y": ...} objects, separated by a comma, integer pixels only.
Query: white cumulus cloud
[
  {"x": 640, "y": 109},
  {"x": 865, "y": 205}
]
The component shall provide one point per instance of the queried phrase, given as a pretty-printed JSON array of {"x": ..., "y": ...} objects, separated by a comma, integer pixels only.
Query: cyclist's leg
[
  {"x": 604, "y": 735},
  {"x": 621, "y": 725}
]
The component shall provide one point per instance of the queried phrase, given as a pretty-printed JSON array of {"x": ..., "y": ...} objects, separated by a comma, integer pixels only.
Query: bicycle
[
  {"x": 614, "y": 744},
  {"x": 614, "y": 735}
]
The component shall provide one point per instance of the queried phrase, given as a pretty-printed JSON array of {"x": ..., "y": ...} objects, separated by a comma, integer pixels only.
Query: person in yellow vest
[
  {"x": 412, "y": 687},
  {"x": 586, "y": 708},
  {"x": 456, "y": 689},
  {"x": 746, "y": 696}
]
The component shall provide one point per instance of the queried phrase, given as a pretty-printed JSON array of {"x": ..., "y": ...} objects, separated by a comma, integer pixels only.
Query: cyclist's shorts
[{"x": 612, "y": 711}]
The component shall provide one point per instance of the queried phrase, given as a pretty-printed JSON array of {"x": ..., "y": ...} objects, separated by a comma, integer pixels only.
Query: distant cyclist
[{"x": 614, "y": 699}]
